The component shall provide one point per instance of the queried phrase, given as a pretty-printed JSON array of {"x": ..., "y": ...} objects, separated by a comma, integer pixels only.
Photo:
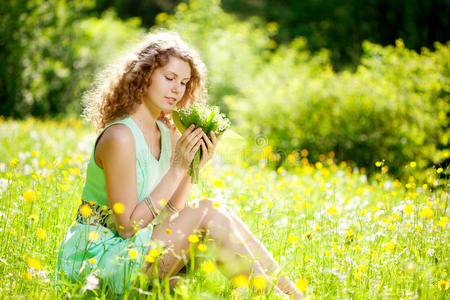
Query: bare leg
[
  {"x": 264, "y": 257},
  {"x": 220, "y": 228}
]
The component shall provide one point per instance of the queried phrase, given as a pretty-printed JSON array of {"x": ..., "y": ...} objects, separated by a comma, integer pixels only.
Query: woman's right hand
[{"x": 187, "y": 146}]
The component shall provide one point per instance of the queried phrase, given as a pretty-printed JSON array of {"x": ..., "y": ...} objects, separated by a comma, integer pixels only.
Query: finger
[
  {"x": 194, "y": 150},
  {"x": 191, "y": 138},
  {"x": 213, "y": 137},
  {"x": 186, "y": 133},
  {"x": 205, "y": 152},
  {"x": 207, "y": 141}
]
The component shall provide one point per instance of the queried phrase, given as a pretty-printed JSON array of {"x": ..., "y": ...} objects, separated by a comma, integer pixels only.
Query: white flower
[{"x": 91, "y": 282}]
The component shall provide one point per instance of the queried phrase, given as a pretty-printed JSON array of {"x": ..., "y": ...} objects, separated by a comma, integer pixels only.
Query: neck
[{"x": 146, "y": 117}]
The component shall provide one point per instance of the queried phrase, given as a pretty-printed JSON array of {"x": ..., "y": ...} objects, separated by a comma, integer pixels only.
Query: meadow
[{"x": 338, "y": 233}]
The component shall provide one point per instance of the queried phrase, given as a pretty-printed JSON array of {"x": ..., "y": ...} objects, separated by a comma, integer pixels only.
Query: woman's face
[{"x": 168, "y": 84}]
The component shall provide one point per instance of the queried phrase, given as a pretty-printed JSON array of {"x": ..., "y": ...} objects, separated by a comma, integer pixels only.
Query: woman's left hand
[{"x": 208, "y": 147}]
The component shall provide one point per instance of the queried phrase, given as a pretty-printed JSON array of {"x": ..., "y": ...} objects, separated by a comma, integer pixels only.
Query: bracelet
[
  {"x": 148, "y": 201},
  {"x": 172, "y": 208}
]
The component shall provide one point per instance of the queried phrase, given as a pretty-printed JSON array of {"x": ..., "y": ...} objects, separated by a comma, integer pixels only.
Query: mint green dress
[{"x": 108, "y": 255}]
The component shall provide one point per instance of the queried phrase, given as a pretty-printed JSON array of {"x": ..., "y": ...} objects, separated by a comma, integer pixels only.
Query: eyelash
[{"x": 170, "y": 79}]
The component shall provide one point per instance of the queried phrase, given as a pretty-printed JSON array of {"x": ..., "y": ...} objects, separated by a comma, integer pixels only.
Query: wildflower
[
  {"x": 118, "y": 208},
  {"x": 307, "y": 258},
  {"x": 208, "y": 267},
  {"x": 240, "y": 280},
  {"x": 149, "y": 258},
  {"x": 391, "y": 227},
  {"x": 363, "y": 212},
  {"x": 357, "y": 248},
  {"x": 302, "y": 284},
  {"x": 439, "y": 170},
  {"x": 29, "y": 195},
  {"x": 91, "y": 282},
  {"x": 86, "y": 210},
  {"x": 133, "y": 253},
  {"x": 307, "y": 235},
  {"x": 327, "y": 253},
  {"x": 14, "y": 162},
  {"x": 293, "y": 238},
  {"x": 443, "y": 284},
  {"x": 350, "y": 233},
  {"x": 168, "y": 231},
  {"x": 332, "y": 211},
  {"x": 443, "y": 221},
  {"x": 265, "y": 222},
  {"x": 153, "y": 252},
  {"x": 426, "y": 212},
  {"x": 40, "y": 233},
  {"x": 378, "y": 286},
  {"x": 389, "y": 246},
  {"x": 193, "y": 239},
  {"x": 33, "y": 217},
  {"x": 259, "y": 282},
  {"x": 412, "y": 164},
  {"x": 92, "y": 260},
  {"x": 93, "y": 236},
  {"x": 34, "y": 263},
  {"x": 378, "y": 164},
  {"x": 408, "y": 209},
  {"x": 28, "y": 275},
  {"x": 202, "y": 247}
]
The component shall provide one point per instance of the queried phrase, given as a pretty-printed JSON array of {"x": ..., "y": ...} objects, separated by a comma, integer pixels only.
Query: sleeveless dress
[{"x": 105, "y": 253}]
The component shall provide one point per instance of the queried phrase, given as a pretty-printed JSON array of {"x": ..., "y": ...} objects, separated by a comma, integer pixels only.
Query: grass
[{"x": 338, "y": 234}]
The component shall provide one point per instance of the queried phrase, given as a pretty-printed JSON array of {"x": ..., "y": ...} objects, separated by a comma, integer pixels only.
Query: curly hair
[{"x": 118, "y": 89}]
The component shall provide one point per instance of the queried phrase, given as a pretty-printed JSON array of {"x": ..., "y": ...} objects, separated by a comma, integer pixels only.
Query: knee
[{"x": 213, "y": 212}]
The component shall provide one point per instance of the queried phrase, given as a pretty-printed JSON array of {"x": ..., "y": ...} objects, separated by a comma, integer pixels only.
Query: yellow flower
[
  {"x": 332, "y": 211},
  {"x": 202, "y": 247},
  {"x": 378, "y": 164},
  {"x": 361, "y": 269},
  {"x": 410, "y": 268},
  {"x": 208, "y": 267},
  {"x": 29, "y": 195},
  {"x": 302, "y": 284},
  {"x": 33, "y": 217},
  {"x": 412, "y": 164},
  {"x": 391, "y": 227},
  {"x": 357, "y": 248},
  {"x": 34, "y": 263},
  {"x": 28, "y": 275},
  {"x": 240, "y": 280},
  {"x": 378, "y": 286},
  {"x": 149, "y": 258},
  {"x": 153, "y": 252},
  {"x": 13, "y": 162},
  {"x": 93, "y": 236},
  {"x": 389, "y": 246},
  {"x": 40, "y": 233},
  {"x": 350, "y": 233},
  {"x": 133, "y": 253},
  {"x": 265, "y": 222},
  {"x": 363, "y": 212},
  {"x": 443, "y": 284},
  {"x": 92, "y": 260},
  {"x": 408, "y": 209},
  {"x": 193, "y": 239},
  {"x": 259, "y": 282},
  {"x": 439, "y": 170},
  {"x": 426, "y": 212},
  {"x": 307, "y": 234},
  {"x": 168, "y": 231},
  {"x": 86, "y": 210},
  {"x": 334, "y": 245},
  {"x": 307, "y": 258},
  {"x": 293, "y": 238},
  {"x": 118, "y": 208}
]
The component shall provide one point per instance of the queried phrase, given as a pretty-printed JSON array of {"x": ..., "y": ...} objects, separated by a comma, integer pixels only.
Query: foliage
[
  {"x": 51, "y": 54},
  {"x": 335, "y": 233}
]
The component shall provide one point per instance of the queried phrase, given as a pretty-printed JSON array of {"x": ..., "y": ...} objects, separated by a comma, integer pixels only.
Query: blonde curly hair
[{"x": 118, "y": 89}]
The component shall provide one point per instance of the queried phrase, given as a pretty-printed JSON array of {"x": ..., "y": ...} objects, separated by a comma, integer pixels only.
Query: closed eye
[{"x": 168, "y": 78}]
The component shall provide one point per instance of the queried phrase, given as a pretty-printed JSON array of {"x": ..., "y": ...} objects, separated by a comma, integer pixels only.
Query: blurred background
[{"x": 360, "y": 81}]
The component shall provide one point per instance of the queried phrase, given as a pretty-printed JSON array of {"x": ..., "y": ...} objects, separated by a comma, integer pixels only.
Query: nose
[{"x": 176, "y": 87}]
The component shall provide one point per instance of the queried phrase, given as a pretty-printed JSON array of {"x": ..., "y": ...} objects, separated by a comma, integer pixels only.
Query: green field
[{"x": 336, "y": 232}]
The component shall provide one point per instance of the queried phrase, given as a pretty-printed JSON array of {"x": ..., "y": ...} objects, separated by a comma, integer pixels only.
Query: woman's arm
[{"x": 117, "y": 153}]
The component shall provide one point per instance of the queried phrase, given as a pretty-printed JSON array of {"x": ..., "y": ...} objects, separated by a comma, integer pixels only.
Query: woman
[{"x": 138, "y": 172}]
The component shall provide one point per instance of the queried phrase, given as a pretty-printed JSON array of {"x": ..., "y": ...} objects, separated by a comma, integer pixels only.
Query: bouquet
[{"x": 209, "y": 118}]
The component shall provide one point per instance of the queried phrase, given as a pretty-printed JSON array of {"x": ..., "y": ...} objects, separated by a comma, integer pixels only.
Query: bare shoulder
[{"x": 116, "y": 141}]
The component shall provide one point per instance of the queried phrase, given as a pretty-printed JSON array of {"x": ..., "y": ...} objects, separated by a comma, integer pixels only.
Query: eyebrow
[{"x": 176, "y": 75}]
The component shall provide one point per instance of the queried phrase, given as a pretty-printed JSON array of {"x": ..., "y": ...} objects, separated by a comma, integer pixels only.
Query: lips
[{"x": 171, "y": 100}]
